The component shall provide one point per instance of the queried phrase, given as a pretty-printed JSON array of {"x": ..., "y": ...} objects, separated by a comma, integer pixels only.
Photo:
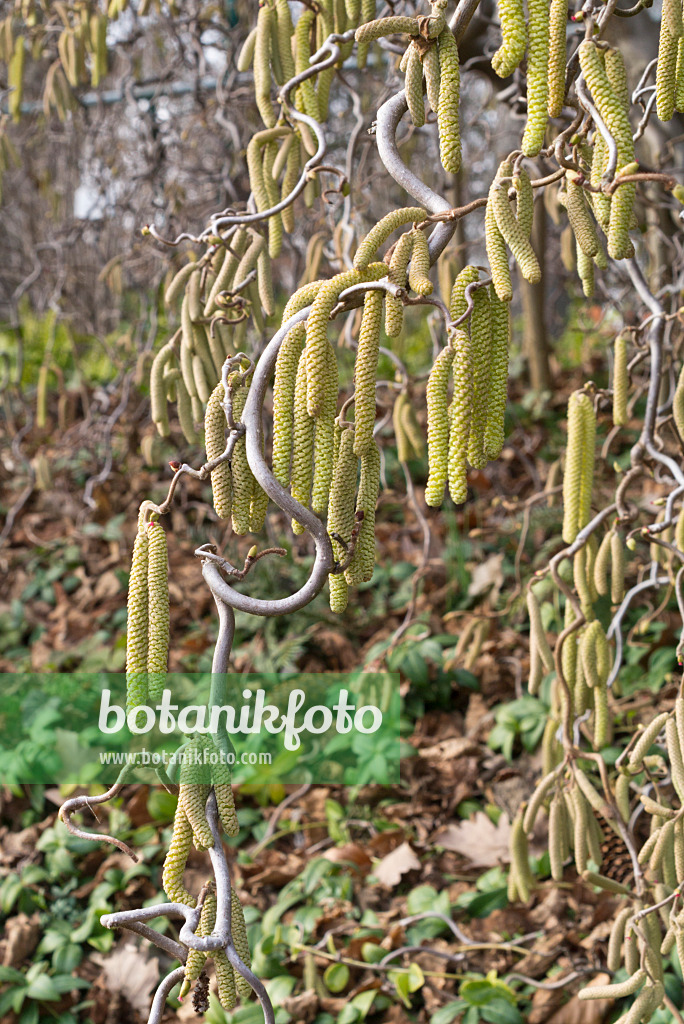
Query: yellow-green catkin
[
  {"x": 420, "y": 265},
  {"x": 558, "y": 20},
  {"x": 414, "y": 86},
  {"x": 585, "y": 271},
  {"x": 341, "y": 514},
  {"x": 176, "y": 859},
  {"x": 193, "y": 793},
  {"x": 399, "y": 261},
  {"x": 225, "y": 977},
  {"x": 666, "y": 73},
  {"x": 215, "y": 442},
  {"x": 497, "y": 256},
  {"x": 316, "y": 350},
  {"x": 137, "y": 623},
  {"x": 460, "y": 416},
  {"x": 243, "y": 479},
  {"x": 498, "y": 375},
  {"x": 302, "y": 442},
  {"x": 372, "y": 30},
  {"x": 306, "y": 99},
  {"x": 620, "y": 380},
  {"x": 606, "y": 79},
  {"x": 457, "y": 302},
  {"x": 196, "y": 959},
  {"x": 514, "y": 38},
  {"x": 537, "y": 77},
  {"x": 481, "y": 347},
  {"x": 449, "y": 94},
  {"x": 524, "y": 200},
  {"x": 578, "y": 466},
  {"x": 285, "y": 31},
  {"x": 580, "y": 218},
  {"x": 283, "y": 401},
  {"x": 158, "y": 613},
  {"x": 365, "y": 371},
  {"x": 617, "y": 568},
  {"x": 262, "y": 65},
  {"x": 679, "y": 81},
  {"x": 432, "y": 76},
  {"x": 513, "y": 232},
  {"x": 438, "y": 427},
  {"x": 324, "y": 433},
  {"x": 158, "y": 407},
  {"x": 587, "y": 479},
  {"x": 363, "y": 563},
  {"x": 238, "y": 932},
  {"x": 378, "y": 235}
]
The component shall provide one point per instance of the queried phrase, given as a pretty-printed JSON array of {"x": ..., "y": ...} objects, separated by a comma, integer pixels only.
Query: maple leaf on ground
[{"x": 480, "y": 840}]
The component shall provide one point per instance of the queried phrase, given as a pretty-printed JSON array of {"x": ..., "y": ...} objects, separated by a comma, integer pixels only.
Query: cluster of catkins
[
  {"x": 648, "y": 926},
  {"x": 190, "y": 827}
]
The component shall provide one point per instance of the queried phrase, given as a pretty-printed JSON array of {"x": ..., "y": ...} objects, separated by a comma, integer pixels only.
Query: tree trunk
[{"x": 535, "y": 344}]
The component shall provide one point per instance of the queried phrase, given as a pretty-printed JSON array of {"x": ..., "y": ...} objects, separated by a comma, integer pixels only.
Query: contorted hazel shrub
[{"x": 295, "y": 398}]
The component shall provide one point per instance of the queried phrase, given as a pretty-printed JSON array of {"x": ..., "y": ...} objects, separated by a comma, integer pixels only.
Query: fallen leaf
[
  {"x": 130, "y": 972},
  {"x": 578, "y": 1011},
  {"x": 485, "y": 575},
  {"x": 480, "y": 840},
  {"x": 395, "y": 864},
  {"x": 21, "y": 934}
]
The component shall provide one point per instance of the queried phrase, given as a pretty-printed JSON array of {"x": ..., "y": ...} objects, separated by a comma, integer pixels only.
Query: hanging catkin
[
  {"x": 498, "y": 376},
  {"x": 324, "y": 434},
  {"x": 262, "y": 65},
  {"x": 302, "y": 442},
  {"x": 579, "y": 465},
  {"x": 438, "y": 427},
  {"x": 377, "y": 236},
  {"x": 158, "y": 610},
  {"x": 365, "y": 371},
  {"x": 239, "y": 935},
  {"x": 363, "y": 563},
  {"x": 497, "y": 256},
  {"x": 481, "y": 347},
  {"x": 136, "y": 625},
  {"x": 341, "y": 514},
  {"x": 215, "y": 442},
  {"x": 399, "y": 261},
  {"x": 558, "y": 20},
  {"x": 620, "y": 380},
  {"x": 537, "y": 77},
  {"x": 449, "y": 93},
  {"x": 176, "y": 859},
  {"x": 514, "y": 38},
  {"x": 513, "y": 233},
  {"x": 243, "y": 479},
  {"x": 316, "y": 350},
  {"x": 420, "y": 264},
  {"x": 460, "y": 415},
  {"x": 283, "y": 401},
  {"x": 197, "y": 959},
  {"x": 414, "y": 86}
]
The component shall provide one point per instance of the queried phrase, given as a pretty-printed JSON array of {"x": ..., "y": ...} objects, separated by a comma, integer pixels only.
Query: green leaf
[
  {"x": 364, "y": 1000},
  {"x": 401, "y": 983},
  {"x": 500, "y": 1011},
  {"x": 30, "y": 1014},
  {"x": 447, "y": 1013},
  {"x": 336, "y": 977},
  {"x": 416, "y": 978},
  {"x": 10, "y": 974},
  {"x": 43, "y": 989},
  {"x": 372, "y": 953},
  {"x": 421, "y": 899}
]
